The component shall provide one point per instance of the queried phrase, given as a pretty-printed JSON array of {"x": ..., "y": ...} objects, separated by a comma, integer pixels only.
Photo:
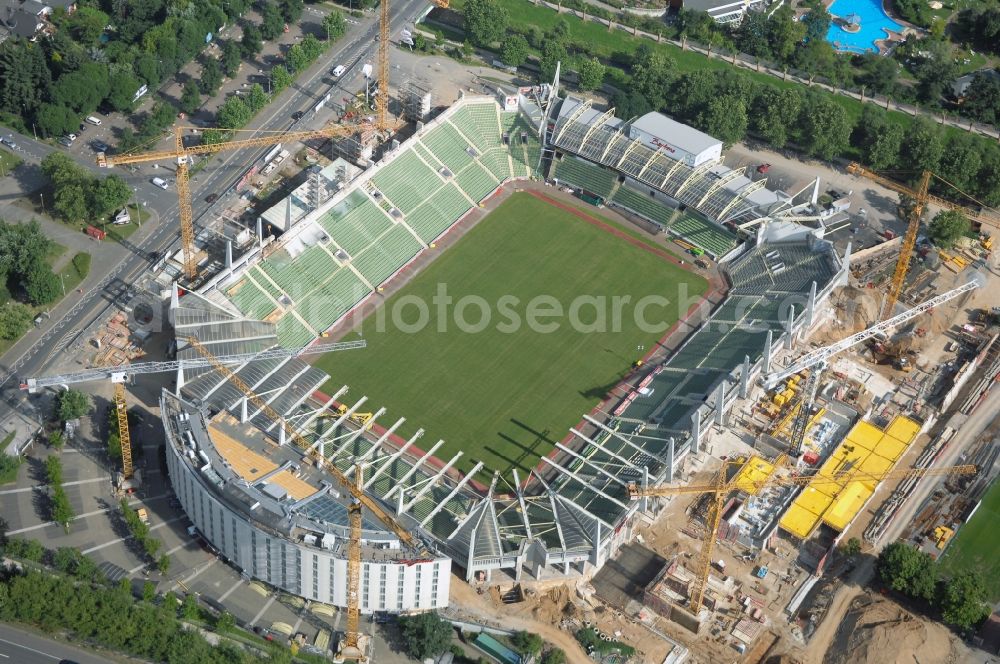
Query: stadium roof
[{"x": 681, "y": 135}]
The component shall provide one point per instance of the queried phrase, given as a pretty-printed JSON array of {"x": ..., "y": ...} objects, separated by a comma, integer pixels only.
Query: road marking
[
  {"x": 263, "y": 609},
  {"x": 122, "y": 539},
  {"x": 75, "y": 518},
  {"x": 42, "y": 486},
  {"x": 183, "y": 582},
  {"x": 225, "y": 595},
  {"x": 18, "y": 645}
]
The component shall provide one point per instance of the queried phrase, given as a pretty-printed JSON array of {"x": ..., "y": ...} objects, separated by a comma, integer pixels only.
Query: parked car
[
  {"x": 65, "y": 140},
  {"x": 297, "y": 115},
  {"x": 72, "y": 137},
  {"x": 159, "y": 182},
  {"x": 83, "y": 127},
  {"x": 100, "y": 146}
]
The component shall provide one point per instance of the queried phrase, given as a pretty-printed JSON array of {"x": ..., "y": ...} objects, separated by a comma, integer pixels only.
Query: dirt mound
[{"x": 878, "y": 631}]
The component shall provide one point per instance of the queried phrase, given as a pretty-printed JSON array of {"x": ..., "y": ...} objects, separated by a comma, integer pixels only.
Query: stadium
[{"x": 535, "y": 485}]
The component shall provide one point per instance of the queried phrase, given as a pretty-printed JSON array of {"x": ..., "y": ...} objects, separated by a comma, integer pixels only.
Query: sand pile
[{"x": 878, "y": 631}]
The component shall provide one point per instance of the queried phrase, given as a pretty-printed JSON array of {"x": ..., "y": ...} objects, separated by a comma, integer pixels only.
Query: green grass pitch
[
  {"x": 975, "y": 546},
  {"x": 503, "y": 397}
]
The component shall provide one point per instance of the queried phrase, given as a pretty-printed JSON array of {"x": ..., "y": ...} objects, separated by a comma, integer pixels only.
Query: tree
[
  {"x": 40, "y": 284},
  {"x": 296, "y": 59},
  {"x": 163, "y": 563},
  {"x": 62, "y": 512},
  {"x": 233, "y": 114},
  {"x": 108, "y": 195},
  {"x": 226, "y": 622},
  {"x": 84, "y": 89},
  {"x": 15, "y": 319},
  {"x": 554, "y": 656},
  {"x": 54, "y": 470},
  {"x": 776, "y": 111},
  {"x": 880, "y": 139},
  {"x": 272, "y": 23},
  {"x": 785, "y": 33},
  {"x": 528, "y": 642},
  {"x": 55, "y": 119},
  {"x": 817, "y": 21},
  {"x": 514, "y": 50},
  {"x": 251, "y": 43},
  {"x": 963, "y": 600},
  {"x": 962, "y": 160},
  {"x": 86, "y": 24},
  {"x": 935, "y": 68},
  {"x": 280, "y": 78},
  {"x": 630, "y": 105},
  {"x": 591, "y": 74},
  {"x": 922, "y": 147},
  {"x": 211, "y": 76},
  {"x": 425, "y": 635},
  {"x": 982, "y": 99},
  {"x": 291, "y": 10},
  {"x": 25, "y": 79},
  {"x": 946, "y": 227},
  {"x": 826, "y": 129},
  {"x": 334, "y": 25},
  {"x": 122, "y": 88},
  {"x": 752, "y": 35},
  {"x": 72, "y": 404},
  {"x": 256, "y": 98},
  {"x": 56, "y": 439},
  {"x": 189, "y": 607},
  {"x": 148, "y": 591},
  {"x": 553, "y": 53},
  {"x": 190, "y": 97},
  {"x": 485, "y": 21},
  {"x": 852, "y": 547},
  {"x": 70, "y": 202},
  {"x": 907, "y": 570},
  {"x": 652, "y": 74},
  {"x": 725, "y": 118},
  {"x": 231, "y": 56}
]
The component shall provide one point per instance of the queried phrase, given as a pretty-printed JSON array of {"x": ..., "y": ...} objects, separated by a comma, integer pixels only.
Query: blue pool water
[{"x": 874, "y": 23}]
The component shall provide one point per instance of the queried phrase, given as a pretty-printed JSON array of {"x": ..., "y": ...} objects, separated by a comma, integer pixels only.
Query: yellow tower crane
[
  {"x": 350, "y": 649},
  {"x": 921, "y": 197},
  {"x": 121, "y": 411},
  {"x": 180, "y": 155},
  {"x": 724, "y": 485}
]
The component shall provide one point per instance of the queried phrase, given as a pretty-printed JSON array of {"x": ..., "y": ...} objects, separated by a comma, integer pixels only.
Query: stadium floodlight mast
[{"x": 122, "y": 374}]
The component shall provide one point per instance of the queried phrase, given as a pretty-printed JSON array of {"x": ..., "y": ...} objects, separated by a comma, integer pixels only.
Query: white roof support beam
[
  {"x": 298, "y": 402},
  {"x": 594, "y": 126},
  {"x": 670, "y": 173},
  {"x": 255, "y": 386},
  {"x": 358, "y": 433},
  {"x": 401, "y": 482},
  {"x": 384, "y": 437},
  {"x": 590, "y": 441},
  {"x": 454, "y": 492},
  {"x": 520, "y": 500},
  {"x": 622, "y": 438},
  {"x": 314, "y": 415},
  {"x": 395, "y": 455},
  {"x": 588, "y": 462},
  {"x": 719, "y": 184},
  {"x": 277, "y": 392},
  {"x": 555, "y": 510},
  {"x": 350, "y": 411},
  {"x": 589, "y": 485},
  {"x": 577, "y": 112},
  {"x": 696, "y": 173},
  {"x": 746, "y": 191},
  {"x": 432, "y": 481}
]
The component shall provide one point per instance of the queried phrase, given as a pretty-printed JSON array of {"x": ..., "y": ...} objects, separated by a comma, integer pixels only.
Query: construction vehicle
[
  {"x": 921, "y": 197},
  {"x": 942, "y": 535},
  {"x": 725, "y": 485}
]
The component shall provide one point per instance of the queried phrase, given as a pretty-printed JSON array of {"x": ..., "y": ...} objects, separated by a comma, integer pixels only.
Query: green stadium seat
[
  {"x": 358, "y": 227},
  {"x": 476, "y": 182},
  {"x": 333, "y": 299},
  {"x": 438, "y": 213},
  {"x": 251, "y": 300},
  {"x": 714, "y": 239},
  {"x": 643, "y": 205},
  {"x": 292, "y": 333},
  {"x": 393, "y": 250},
  {"x": 448, "y": 146},
  {"x": 586, "y": 176},
  {"x": 407, "y": 181}
]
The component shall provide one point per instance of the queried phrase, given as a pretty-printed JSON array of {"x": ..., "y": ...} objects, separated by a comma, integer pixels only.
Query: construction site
[{"x": 700, "y": 512}]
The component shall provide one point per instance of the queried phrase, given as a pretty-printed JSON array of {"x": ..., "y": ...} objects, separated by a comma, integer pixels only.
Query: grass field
[
  {"x": 505, "y": 396},
  {"x": 975, "y": 546}
]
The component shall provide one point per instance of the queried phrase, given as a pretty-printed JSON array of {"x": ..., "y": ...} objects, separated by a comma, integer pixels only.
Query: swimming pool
[{"x": 874, "y": 24}]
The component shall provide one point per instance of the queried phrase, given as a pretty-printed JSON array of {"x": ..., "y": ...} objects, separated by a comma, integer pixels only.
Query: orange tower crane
[
  {"x": 350, "y": 649},
  {"x": 921, "y": 197},
  {"x": 724, "y": 485}
]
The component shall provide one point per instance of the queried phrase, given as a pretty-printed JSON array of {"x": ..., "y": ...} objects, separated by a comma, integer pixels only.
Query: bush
[
  {"x": 72, "y": 404},
  {"x": 15, "y": 320},
  {"x": 425, "y": 635},
  {"x": 9, "y": 465}
]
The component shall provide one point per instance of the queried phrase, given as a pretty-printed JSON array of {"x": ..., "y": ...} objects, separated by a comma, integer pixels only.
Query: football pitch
[
  {"x": 493, "y": 371},
  {"x": 975, "y": 546}
]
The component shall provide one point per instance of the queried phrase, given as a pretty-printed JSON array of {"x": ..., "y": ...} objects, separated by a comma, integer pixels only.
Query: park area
[
  {"x": 975, "y": 545},
  {"x": 497, "y": 388}
]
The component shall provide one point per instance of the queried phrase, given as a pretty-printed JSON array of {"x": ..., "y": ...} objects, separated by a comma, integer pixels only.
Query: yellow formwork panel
[
  {"x": 296, "y": 487},
  {"x": 876, "y": 465},
  {"x": 847, "y": 504},
  {"x": 753, "y": 472},
  {"x": 865, "y": 434},
  {"x": 890, "y": 448},
  {"x": 798, "y": 521},
  {"x": 248, "y": 464},
  {"x": 813, "y": 500},
  {"x": 903, "y": 429}
]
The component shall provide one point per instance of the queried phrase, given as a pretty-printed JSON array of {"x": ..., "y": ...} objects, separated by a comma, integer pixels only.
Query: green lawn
[
  {"x": 975, "y": 546},
  {"x": 8, "y": 162},
  {"x": 505, "y": 397}
]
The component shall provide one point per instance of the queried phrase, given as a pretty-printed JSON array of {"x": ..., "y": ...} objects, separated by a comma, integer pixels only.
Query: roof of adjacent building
[
  {"x": 711, "y": 5},
  {"x": 962, "y": 83},
  {"x": 675, "y": 133}
]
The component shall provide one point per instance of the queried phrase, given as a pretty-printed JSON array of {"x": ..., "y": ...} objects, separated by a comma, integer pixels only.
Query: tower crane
[
  {"x": 723, "y": 486},
  {"x": 350, "y": 649},
  {"x": 921, "y": 197},
  {"x": 180, "y": 155}
]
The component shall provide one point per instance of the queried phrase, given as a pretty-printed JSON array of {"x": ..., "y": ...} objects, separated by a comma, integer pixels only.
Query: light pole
[
  {"x": 138, "y": 216},
  {"x": 62, "y": 280},
  {"x": 41, "y": 198}
]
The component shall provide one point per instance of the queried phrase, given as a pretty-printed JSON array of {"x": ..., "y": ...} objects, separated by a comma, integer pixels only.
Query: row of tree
[
  {"x": 961, "y": 599},
  {"x": 60, "y": 510},
  {"x": 25, "y": 270},
  {"x": 140, "y": 532},
  {"x": 79, "y": 196},
  {"x": 111, "y": 617}
]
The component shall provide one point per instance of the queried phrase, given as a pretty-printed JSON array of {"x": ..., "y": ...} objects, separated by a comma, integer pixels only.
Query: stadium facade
[{"x": 258, "y": 499}]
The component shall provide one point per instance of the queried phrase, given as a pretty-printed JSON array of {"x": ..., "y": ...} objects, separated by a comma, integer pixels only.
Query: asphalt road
[
  {"x": 219, "y": 177},
  {"x": 21, "y": 647}
]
